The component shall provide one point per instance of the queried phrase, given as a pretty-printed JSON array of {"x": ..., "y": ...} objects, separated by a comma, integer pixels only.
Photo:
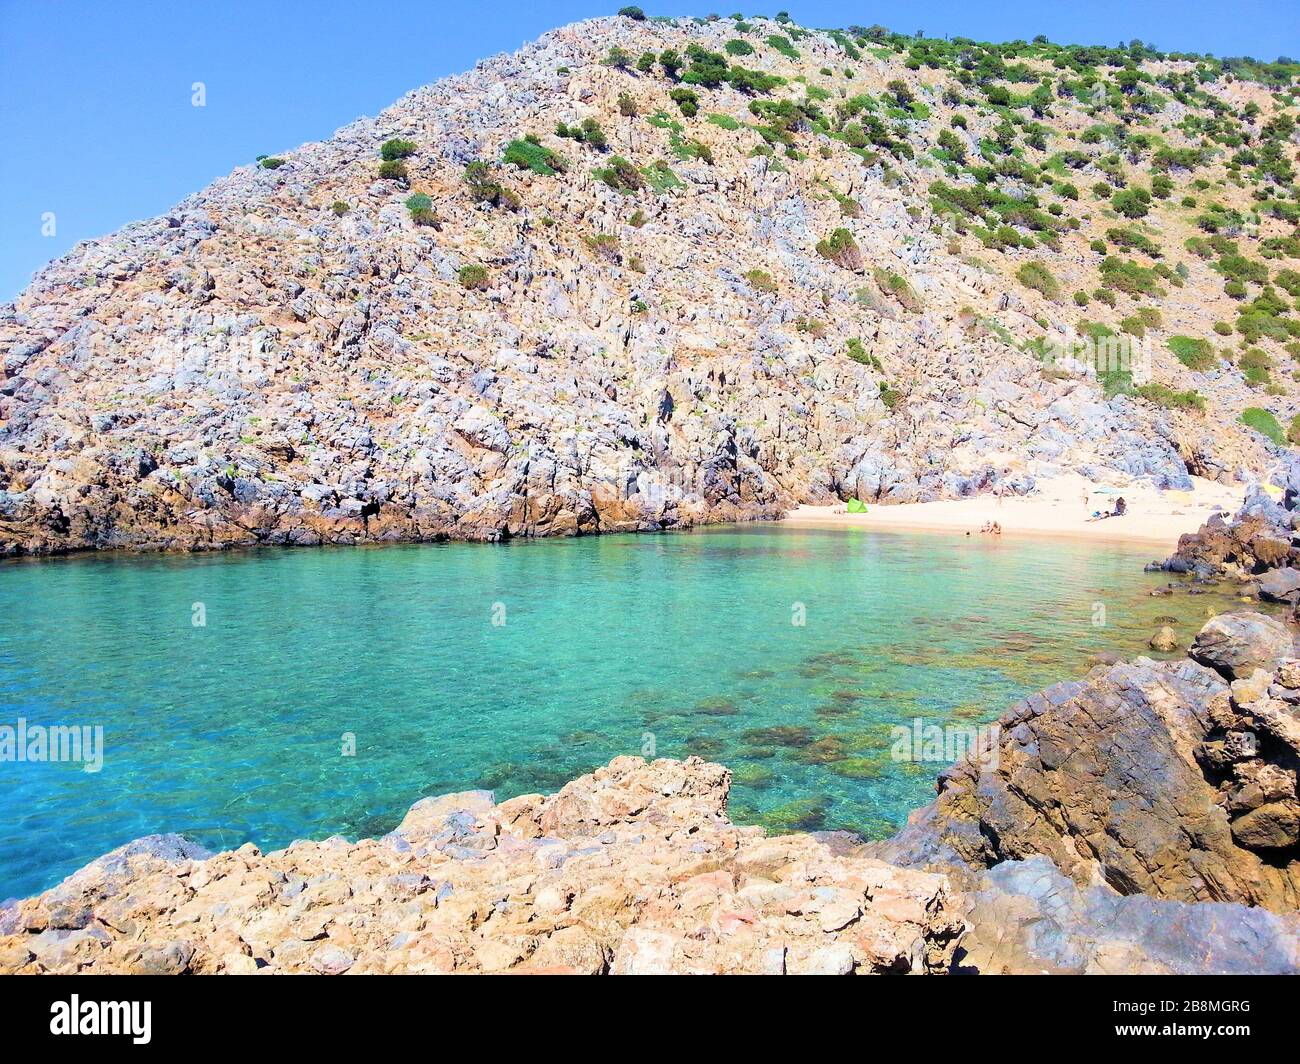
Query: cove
[{"x": 277, "y": 694}]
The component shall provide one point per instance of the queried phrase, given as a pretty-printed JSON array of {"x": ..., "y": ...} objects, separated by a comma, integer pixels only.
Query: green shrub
[
  {"x": 1223, "y": 328},
  {"x": 1263, "y": 422},
  {"x": 760, "y": 281},
  {"x": 858, "y": 352},
  {"x": 1293, "y": 431},
  {"x": 1167, "y": 397},
  {"x": 841, "y": 249},
  {"x": 633, "y": 12},
  {"x": 622, "y": 175},
  {"x": 687, "y": 101},
  {"x": 1081, "y": 299},
  {"x": 396, "y": 149},
  {"x": 339, "y": 208},
  {"x": 418, "y": 202},
  {"x": 724, "y": 122},
  {"x": 1037, "y": 276},
  {"x": 1132, "y": 202},
  {"x": 604, "y": 245},
  {"x": 1194, "y": 353},
  {"x": 736, "y": 46},
  {"x": 661, "y": 177},
  {"x": 529, "y": 155},
  {"x": 270, "y": 162},
  {"x": 1255, "y": 365},
  {"x": 783, "y": 45},
  {"x": 478, "y": 176},
  {"x": 1130, "y": 278},
  {"x": 473, "y": 276},
  {"x": 894, "y": 284},
  {"x": 1115, "y": 382},
  {"x": 394, "y": 170}
]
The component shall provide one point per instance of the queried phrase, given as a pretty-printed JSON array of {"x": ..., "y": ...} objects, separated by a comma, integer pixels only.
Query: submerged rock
[{"x": 1165, "y": 639}]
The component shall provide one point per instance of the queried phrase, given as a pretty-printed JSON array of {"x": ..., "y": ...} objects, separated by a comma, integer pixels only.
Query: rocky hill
[{"x": 644, "y": 273}]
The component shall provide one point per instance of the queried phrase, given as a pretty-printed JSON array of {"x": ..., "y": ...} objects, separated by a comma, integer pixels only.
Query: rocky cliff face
[{"x": 729, "y": 286}]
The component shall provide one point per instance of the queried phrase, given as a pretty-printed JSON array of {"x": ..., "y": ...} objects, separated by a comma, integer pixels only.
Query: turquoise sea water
[{"x": 233, "y": 731}]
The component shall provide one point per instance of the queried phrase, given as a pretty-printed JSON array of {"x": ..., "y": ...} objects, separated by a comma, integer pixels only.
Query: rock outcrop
[
  {"x": 634, "y": 869},
  {"x": 1142, "y": 820},
  {"x": 1027, "y": 918},
  {"x": 1258, "y": 547},
  {"x": 1175, "y": 780}
]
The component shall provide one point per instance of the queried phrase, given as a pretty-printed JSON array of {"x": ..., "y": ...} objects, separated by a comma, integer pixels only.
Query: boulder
[
  {"x": 1237, "y": 643},
  {"x": 1280, "y": 585},
  {"x": 1026, "y": 916},
  {"x": 1165, "y": 639}
]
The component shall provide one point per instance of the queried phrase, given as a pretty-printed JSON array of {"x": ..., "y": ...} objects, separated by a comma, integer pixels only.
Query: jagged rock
[
  {"x": 1026, "y": 917},
  {"x": 1128, "y": 777},
  {"x": 632, "y": 869},
  {"x": 1239, "y": 643}
]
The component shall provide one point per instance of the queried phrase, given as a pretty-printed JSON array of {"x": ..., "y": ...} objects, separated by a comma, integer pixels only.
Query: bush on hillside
[
  {"x": 1037, "y": 276},
  {"x": 1263, "y": 422},
  {"x": 397, "y": 149},
  {"x": 1194, "y": 353},
  {"x": 841, "y": 249},
  {"x": 473, "y": 276}
]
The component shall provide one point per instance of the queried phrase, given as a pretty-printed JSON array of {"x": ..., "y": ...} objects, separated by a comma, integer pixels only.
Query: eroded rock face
[
  {"x": 1162, "y": 779},
  {"x": 290, "y": 357},
  {"x": 633, "y": 869}
]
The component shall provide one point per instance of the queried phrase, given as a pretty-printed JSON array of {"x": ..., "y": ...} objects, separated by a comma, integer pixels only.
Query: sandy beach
[{"x": 1061, "y": 507}]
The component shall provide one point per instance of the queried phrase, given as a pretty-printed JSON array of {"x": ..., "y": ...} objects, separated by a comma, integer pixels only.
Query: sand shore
[{"x": 1062, "y": 507}]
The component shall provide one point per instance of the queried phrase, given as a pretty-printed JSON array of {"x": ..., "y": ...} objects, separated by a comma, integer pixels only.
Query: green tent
[{"x": 857, "y": 506}]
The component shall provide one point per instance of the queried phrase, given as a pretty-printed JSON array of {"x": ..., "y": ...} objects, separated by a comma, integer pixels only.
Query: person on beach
[{"x": 1121, "y": 508}]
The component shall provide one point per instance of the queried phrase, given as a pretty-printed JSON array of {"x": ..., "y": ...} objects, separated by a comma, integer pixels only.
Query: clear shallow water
[{"x": 232, "y": 732}]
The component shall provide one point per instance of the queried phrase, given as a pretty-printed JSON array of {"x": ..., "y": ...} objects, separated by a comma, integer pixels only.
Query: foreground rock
[
  {"x": 634, "y": 869},
  {"x": 1175, "y": 780},
  {"x": 1027, "y": 917}
]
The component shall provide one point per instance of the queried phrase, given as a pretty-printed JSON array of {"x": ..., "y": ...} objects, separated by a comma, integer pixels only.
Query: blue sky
[{"x": 96, "y": 123}]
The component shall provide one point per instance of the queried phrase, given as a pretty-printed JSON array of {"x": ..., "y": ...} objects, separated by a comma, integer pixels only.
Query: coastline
[{"x": 1058, "y": 510}]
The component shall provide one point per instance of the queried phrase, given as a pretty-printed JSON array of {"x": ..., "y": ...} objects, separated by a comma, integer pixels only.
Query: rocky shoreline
[{"x": 1143, "y": 819}]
